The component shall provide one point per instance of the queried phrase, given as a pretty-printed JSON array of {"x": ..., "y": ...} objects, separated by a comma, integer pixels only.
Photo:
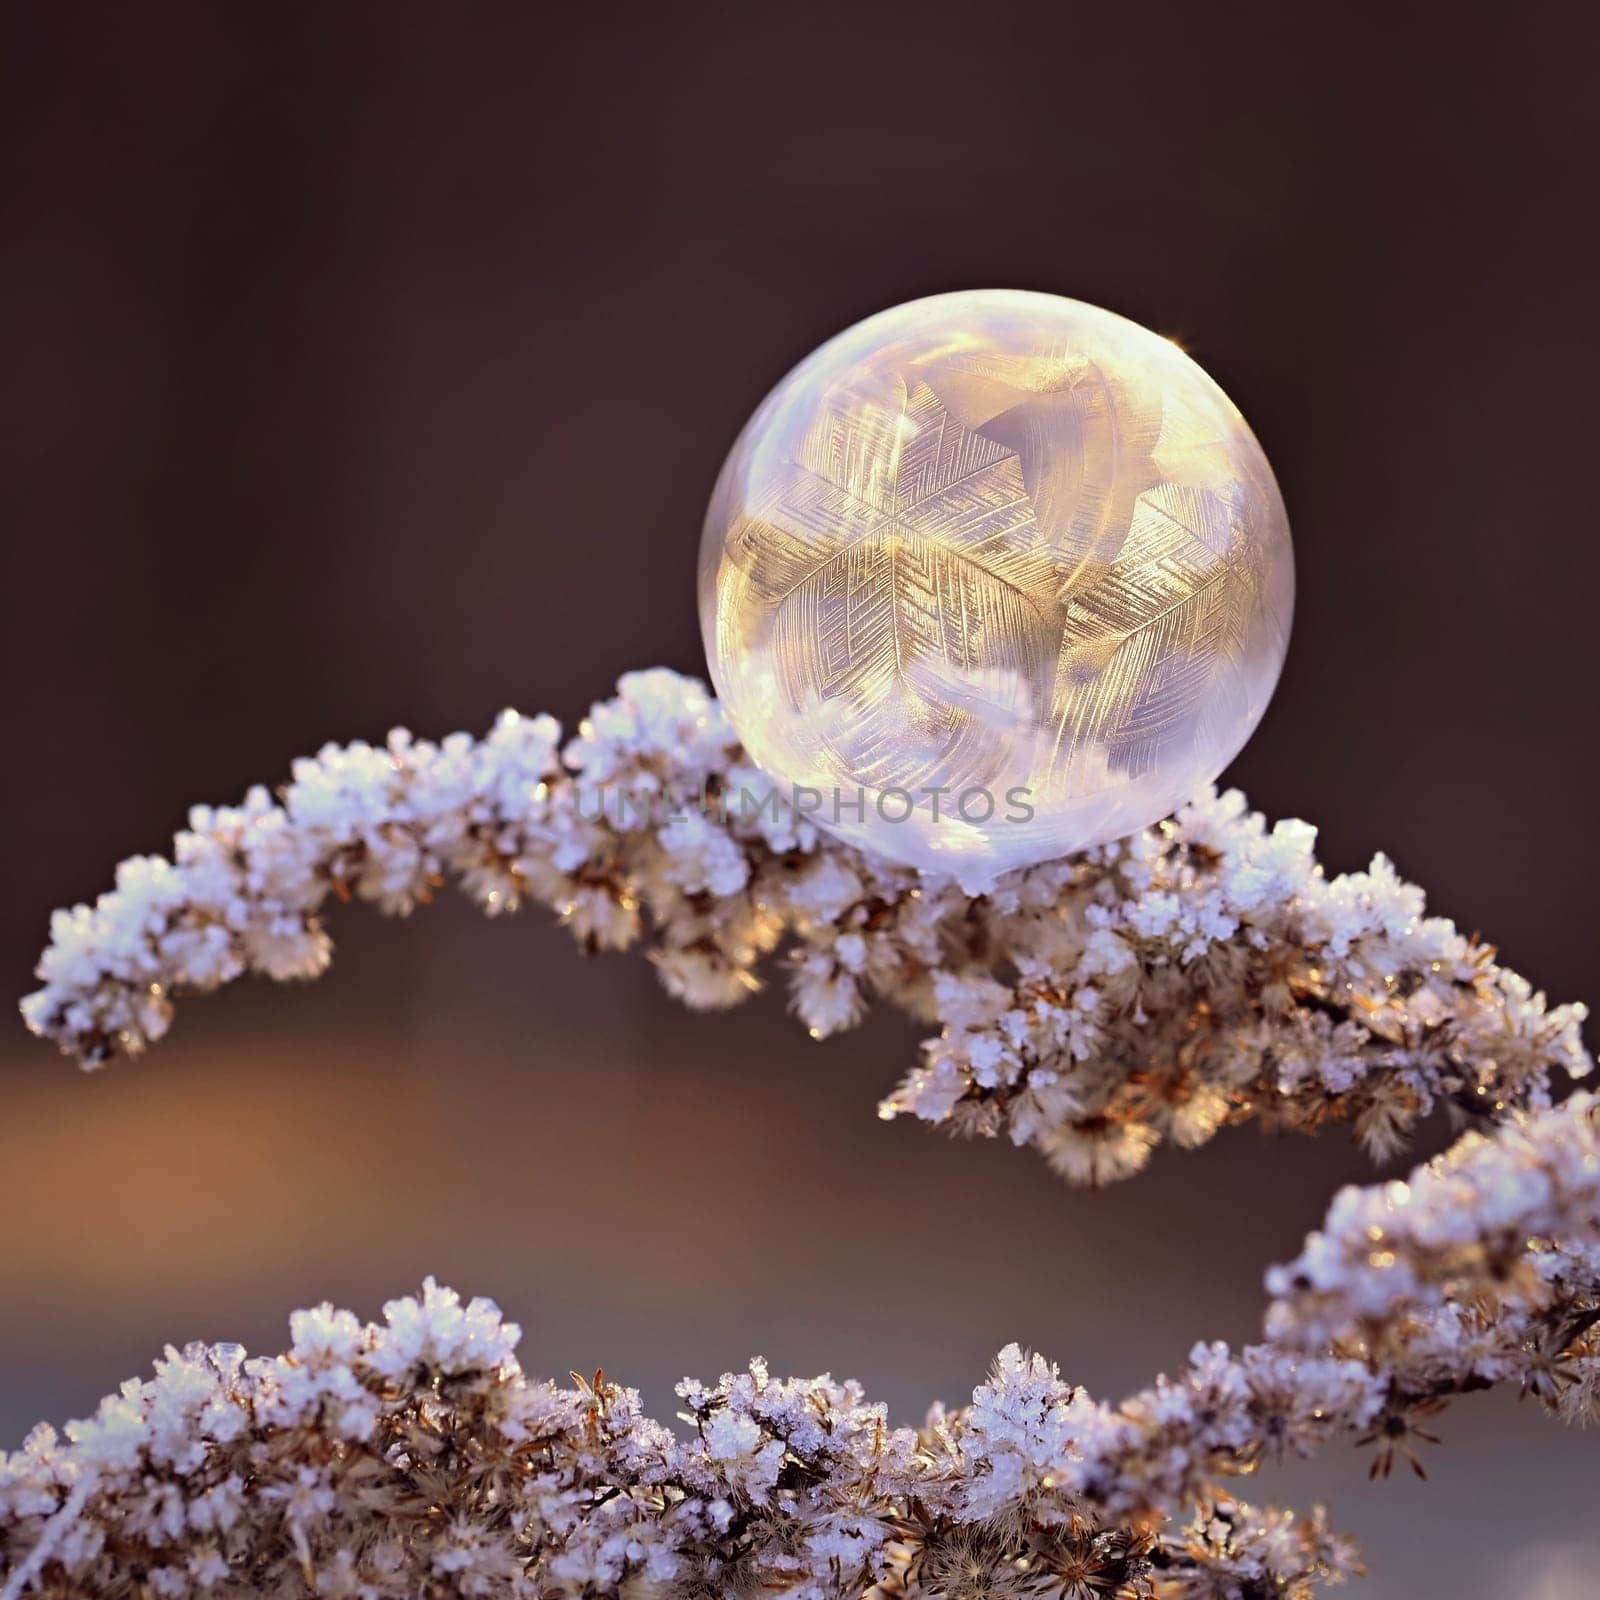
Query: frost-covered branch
[
  {"x": 413, "y": 1457},
  {"x": 1204, "y": 972},
  {"x": 1487, "y": 1258}
]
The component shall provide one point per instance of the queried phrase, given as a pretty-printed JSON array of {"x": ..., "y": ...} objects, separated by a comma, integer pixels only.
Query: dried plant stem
[{"x": 1203, "y": 973}]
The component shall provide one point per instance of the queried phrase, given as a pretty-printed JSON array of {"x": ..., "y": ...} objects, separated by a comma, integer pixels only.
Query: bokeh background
[{"x": 367, "y": 364}]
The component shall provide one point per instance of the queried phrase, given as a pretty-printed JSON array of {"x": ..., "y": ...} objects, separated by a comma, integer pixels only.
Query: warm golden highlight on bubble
[{"x": 998, "y": 575}]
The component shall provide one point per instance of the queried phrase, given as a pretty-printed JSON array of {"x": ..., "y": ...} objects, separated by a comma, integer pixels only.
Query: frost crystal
[
  {"x": 1202, "y": 973},
  {"x": 414, "y": 1457}
]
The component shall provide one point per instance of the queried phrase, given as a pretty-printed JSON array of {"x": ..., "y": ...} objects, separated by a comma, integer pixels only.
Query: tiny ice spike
[{"x": 997, "y": 576}]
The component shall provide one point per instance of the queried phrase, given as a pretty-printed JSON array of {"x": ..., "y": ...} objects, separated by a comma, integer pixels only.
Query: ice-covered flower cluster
[
  {"x": 1204, "y": 972},
  {"x": 1482, "y": 1268},
  {"x": 1201, "y": 973},
  {"x": 414, "y": 1458}
]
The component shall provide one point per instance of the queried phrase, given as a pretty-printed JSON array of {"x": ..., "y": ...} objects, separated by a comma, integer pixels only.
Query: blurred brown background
[{"x": 371, "y": 363}]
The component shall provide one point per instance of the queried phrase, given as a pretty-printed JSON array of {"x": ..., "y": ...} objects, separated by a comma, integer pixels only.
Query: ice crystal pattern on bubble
[{"x": 991, "y": 541}]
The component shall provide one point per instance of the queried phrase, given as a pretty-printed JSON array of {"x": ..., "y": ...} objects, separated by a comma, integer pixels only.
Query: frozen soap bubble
[{"x": 994, "y": 576}]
